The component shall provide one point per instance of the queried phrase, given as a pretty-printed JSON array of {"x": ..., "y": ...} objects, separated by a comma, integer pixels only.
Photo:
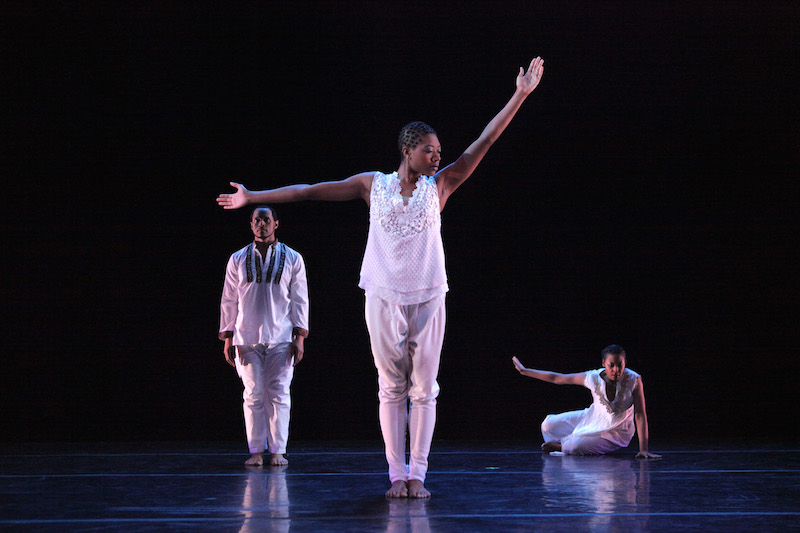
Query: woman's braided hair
[{"x": 411, "y": 133}]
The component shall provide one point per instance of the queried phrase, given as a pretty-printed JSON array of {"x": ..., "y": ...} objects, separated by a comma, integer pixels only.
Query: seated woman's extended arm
[{"x": 550, "y": 377}]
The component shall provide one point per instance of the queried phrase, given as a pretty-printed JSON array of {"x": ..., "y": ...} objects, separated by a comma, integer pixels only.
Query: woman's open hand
[
  {"x": 234, "y": 200},
  {"x": 528, "y": 80},
  {"x": 647, "y": 455}
]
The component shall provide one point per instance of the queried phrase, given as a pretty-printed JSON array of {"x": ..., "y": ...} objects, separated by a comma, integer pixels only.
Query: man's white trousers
[{"x": 266, "y": 373}]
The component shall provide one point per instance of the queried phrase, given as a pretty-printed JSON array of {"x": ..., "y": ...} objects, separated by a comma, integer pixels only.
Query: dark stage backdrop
[{"x": 644, "y": 195}]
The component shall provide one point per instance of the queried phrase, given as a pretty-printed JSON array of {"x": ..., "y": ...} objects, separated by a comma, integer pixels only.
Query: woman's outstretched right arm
[
  {"x": 352, "y": 188},
  {"x": 550, "y": 377}
]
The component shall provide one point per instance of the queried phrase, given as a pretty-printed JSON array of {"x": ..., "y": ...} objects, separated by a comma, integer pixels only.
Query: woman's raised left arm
[{"x": 452, "y": 176}]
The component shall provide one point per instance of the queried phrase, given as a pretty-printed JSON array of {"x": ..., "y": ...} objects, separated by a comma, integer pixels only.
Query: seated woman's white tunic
[{"x": 601, "y": 428}]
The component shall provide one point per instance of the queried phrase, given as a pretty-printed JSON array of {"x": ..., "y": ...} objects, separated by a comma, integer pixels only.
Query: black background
[{"x": 645, "y": 195}]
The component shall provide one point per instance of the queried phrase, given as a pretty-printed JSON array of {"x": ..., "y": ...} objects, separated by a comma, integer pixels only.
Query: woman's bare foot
[
  {"x": 278, "y": 459},
  {"x": 416, "y": 489},
  {"x": 551, "y": 446},
  {"x": 257, "y": 459},
  {"x": 399, "y": 489}
]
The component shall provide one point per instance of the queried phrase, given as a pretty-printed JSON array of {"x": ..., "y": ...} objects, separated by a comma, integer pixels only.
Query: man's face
[{"x": 263, "y": 225}]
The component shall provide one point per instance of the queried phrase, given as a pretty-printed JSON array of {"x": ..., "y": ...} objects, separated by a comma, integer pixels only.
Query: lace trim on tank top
[{"x": 397, "y": 218}]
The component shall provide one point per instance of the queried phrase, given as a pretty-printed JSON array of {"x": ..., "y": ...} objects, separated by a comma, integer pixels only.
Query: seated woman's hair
[{"x": 614, "y": 349}]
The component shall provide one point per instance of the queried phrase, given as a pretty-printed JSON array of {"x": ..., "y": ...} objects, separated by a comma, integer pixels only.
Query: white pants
[
  {"x": 559, "y": 428},
  {"x": 406, "y": 346},
  {"x": 266, "y": 373}
]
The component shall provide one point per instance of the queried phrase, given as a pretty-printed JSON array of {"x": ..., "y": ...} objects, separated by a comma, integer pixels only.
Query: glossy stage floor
[{"x": 339, "y": 487}]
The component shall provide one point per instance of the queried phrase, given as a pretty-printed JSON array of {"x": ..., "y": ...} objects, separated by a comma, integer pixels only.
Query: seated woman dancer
[{"x": 609, "y": 423}]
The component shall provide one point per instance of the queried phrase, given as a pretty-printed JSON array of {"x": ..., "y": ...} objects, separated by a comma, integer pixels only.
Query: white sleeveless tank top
[{"x": 404, "y": 259}]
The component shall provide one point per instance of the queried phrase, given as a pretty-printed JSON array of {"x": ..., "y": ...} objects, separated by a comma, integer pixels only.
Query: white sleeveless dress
[
  {"x": 601, "y": 428},
  {"x": 404, "y": 257}
]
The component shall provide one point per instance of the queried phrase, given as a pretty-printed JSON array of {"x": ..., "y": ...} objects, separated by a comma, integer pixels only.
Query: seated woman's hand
[{"x": 647, "y": 455}]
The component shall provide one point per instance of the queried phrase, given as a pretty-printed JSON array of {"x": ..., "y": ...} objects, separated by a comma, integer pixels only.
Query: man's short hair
[{"x": 271, "y": 210}]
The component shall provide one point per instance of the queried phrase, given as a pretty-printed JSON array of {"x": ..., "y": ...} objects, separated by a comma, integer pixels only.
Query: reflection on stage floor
[{"x": 339, "y": 487}]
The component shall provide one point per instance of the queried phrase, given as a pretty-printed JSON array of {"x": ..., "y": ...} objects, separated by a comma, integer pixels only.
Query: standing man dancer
[
  {"x": 264, "y": 322},
  {"x": 403, "y": 274}
]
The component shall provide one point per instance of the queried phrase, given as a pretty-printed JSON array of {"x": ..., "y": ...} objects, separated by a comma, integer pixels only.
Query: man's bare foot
[
  {"x": 278, "y": 459},
  {"x": 551, "y": 446},
  {"x": 416, "y": 489},
  {"x": 257, "y": 459},
  {"x": 399, "y": 489}
]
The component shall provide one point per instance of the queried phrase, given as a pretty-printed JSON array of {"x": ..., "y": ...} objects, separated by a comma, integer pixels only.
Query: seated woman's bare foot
[
  {"x": 416, "y": 489},
  {"x": 257, "y": 459},
  {"x": 551, "y": 446},
  {"x": 278, "y": 459},
  {"x": 399, "y": 489}
]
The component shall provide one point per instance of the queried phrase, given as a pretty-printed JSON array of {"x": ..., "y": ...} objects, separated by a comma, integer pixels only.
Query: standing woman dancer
[{"x": 403, "y": 274}]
